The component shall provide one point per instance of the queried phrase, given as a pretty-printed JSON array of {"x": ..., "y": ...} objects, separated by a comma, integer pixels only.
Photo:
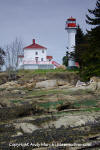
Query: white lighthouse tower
[{"x": 71, "y": 29}]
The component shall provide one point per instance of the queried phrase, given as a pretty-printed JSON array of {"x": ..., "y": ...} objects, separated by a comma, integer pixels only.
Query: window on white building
[
  {"x": 41, "y": 59},
  {"x": 42, "y": 51},
  {"x": 36, "y": 53},
  {"x": 36, "y": 59}
]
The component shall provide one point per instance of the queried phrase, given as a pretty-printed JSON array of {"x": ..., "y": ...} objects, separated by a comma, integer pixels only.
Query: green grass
[
  {"x": 43, "y": 92},
  {"x": 50, "y": 104},
  {"x": 93, "y": 109},
  {"x": 2, "y": 89},
  {"x": 40, "y": 71},
  {"x": 86, "y": 103},
  {"x": 56, "y": 91},
  {"x": 96, "y": 109},
  {"x": 81, "y": 111},
  {"x": 43, "y": 71},
  {"x": 78, "y": 92},
  {"x": 15, "y": 101}
]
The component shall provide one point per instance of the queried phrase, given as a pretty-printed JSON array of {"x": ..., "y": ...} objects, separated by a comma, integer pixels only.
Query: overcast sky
[{"x": 43, "y": 20}]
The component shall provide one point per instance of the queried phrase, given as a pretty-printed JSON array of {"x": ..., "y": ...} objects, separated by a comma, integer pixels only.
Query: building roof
[
  {"x": 34, "y": 46},
  {"x": 71, "y": 19},
  {"x": 49, "y": 57}
]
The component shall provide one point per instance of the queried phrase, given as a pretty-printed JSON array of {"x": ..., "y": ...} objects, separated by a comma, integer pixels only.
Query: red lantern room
[{"x": 71, "y": 23}]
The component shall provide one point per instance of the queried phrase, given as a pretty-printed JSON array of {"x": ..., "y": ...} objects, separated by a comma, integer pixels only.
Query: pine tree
[
  {"x": 65, "y": 60},
  {"x": 96, "y": 14},
  {"x": 92, "y": 56},
  {"x": 79, "y": 40}
]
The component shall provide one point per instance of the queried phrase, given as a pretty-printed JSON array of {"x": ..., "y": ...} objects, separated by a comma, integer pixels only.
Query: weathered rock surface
[
  {"x": 37, "y": 99},
  {"x": 93, "y": 85},
  {"x": 47, "y": 84},
  {"x": 62, "y": 83},
  {"x": 10, "y": 85},
  {"x": 26, "y": 127},
  {"x": 70, "y": 129},
  {"x": 95, "y": 81},
  {"x": 72, "y": 121},
  {"x": 17, "y": 134},
  {"x": 30, "y": 85}
]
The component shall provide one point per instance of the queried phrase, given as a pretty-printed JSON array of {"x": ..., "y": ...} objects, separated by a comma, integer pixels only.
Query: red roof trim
[
  {"x": 71, "y": 19},
  {"x": 49, "y": 57},
  {"x": 20, "y": 56},
  {"x": 35, "y": 46}
]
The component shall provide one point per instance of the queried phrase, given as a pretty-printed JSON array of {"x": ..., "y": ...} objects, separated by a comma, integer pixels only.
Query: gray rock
[
  {"x": 62, "y": 82},
  {"x": 71, "y": 120},
  {"x": 0, "y": 106},
  {"x": 9, "y": 85},
  {"x": 95, "y": 81},
  {"x": 46, "y": 84},
  {"x": 26, "y": 127},
  {"x": 93, "y": 84},
  {"x": 79, "y": 83},
  {"x": 17, "y": 134}
]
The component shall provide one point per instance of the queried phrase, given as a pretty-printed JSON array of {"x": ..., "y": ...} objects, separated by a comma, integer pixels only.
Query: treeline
[
  {"x": 87, "y": 49},
  {"x": 9, "y": 55}
]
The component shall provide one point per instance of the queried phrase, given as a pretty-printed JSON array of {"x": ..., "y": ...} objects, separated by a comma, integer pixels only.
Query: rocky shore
[{"x": 48, "y": 112}]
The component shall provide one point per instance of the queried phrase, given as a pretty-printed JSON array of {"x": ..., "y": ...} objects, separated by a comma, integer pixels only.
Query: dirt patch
[{"x": 65, "y": 106}]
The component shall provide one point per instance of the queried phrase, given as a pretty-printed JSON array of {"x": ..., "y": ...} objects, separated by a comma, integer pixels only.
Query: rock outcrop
[
  {"x": 10, "y": 85},
  {"x": 26, "y": 127},
  {"x": 47, "y": 84},
  {"x": 93, "y": 84},
  {"x": 49, "y": 108}
]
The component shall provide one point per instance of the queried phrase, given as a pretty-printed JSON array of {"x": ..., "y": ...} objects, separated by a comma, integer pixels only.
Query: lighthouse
[{"x": 71, "y": 29}]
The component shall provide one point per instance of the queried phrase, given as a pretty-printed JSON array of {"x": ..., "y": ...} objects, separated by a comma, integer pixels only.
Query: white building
[{"x": 35, "y": 57}]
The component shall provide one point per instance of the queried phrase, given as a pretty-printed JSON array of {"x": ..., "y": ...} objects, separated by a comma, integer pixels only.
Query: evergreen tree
[
  {"x": 65, "y": 60},
  {"x": 92, "y": 56},
  {"x": 96, "y": 14},
  {"x": 79, "y": 36},
  {"x": 79, "y": 39}
]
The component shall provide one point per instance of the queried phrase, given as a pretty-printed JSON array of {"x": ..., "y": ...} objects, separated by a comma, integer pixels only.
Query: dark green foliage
[
  {"x": 80, "y": 41},
  {"x": 88, "y": 49},
  {"x": 74, "y": 68},
  {"x": 65, "y": 60},
  {"x": 92, "y": 62},
  {"x": 96, "y": 13},
  {"x": 79, "y": 36}
]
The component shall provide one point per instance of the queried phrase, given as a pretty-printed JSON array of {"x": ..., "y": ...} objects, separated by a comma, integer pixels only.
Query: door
[{"x": 36, "y": 59}]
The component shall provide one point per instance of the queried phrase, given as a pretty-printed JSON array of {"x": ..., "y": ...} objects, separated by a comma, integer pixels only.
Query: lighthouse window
[
  {"x": 71, "y": 21},
  {"x": 36, "y": 53}
]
